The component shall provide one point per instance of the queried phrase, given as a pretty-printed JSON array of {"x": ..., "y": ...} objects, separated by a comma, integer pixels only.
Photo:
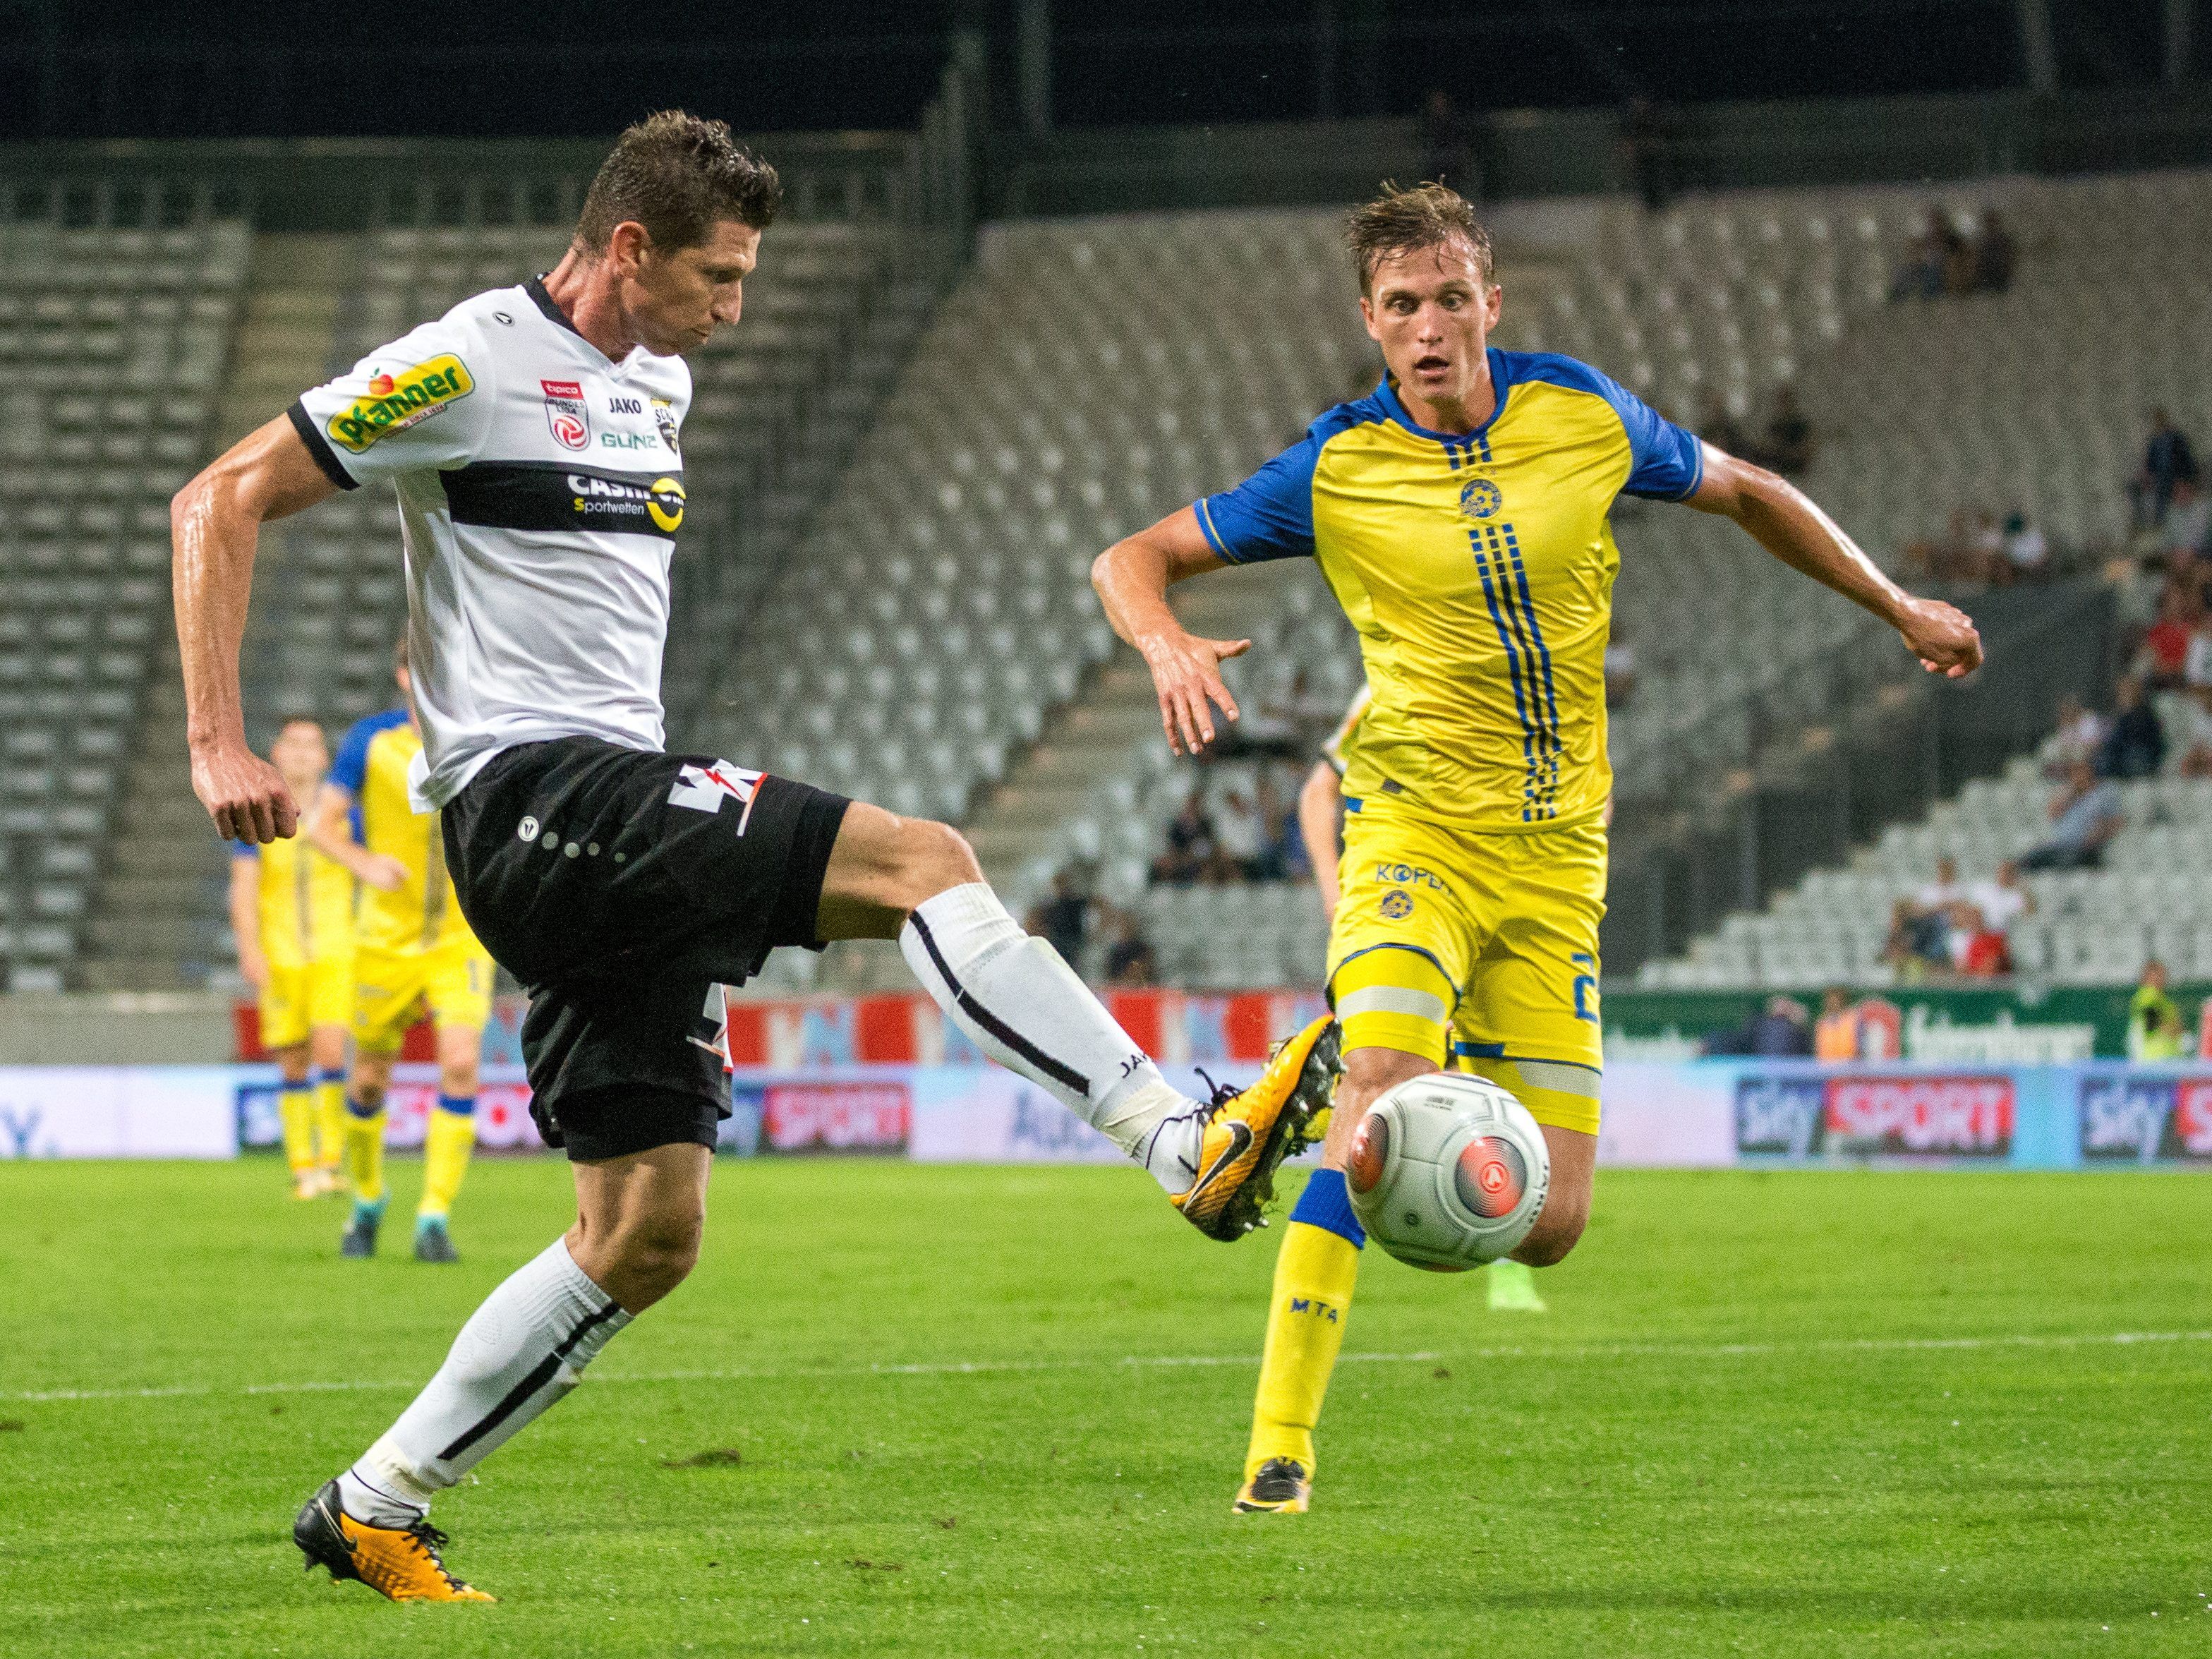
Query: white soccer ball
[{"x": 1448, "y": 1171}]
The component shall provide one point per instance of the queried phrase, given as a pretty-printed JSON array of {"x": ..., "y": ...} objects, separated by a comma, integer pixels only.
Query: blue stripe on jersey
[
  {"x": 1507, "y": 636},
  {"x": 1544, "y": 659},
  {"x": 1539, "y": 720}
]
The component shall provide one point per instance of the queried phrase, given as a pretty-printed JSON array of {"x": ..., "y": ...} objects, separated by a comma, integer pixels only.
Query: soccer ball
[{"x": 1448, "y": 1171}]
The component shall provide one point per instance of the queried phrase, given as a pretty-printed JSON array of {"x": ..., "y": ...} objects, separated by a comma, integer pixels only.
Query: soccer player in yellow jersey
[
  {"x": 291, "y": 909},
  {"x": 412, "y": 949},
  {"x": 1460, "y": 515}
]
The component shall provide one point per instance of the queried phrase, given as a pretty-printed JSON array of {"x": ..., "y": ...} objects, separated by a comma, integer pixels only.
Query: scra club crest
[{"x": 566, "y": 414}]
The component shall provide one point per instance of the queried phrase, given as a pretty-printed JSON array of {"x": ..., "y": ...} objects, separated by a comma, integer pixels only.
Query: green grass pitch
[{"x": 1002, "y": 1411}]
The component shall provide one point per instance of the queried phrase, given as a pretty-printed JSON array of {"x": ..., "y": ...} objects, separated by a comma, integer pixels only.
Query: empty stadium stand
[{"x": 114, "y": 341}]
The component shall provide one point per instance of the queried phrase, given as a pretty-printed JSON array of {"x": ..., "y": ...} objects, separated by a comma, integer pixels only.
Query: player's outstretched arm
[
  {"x": 1783, "y": 520},
  {"x": 1317, "y": 802},
  {"x": 1132, "y": 578},
  {"x": 216, "y": 521}
]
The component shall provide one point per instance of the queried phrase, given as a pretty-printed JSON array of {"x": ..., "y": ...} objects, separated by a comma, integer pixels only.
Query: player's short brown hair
[
  {"x": 1401, "y": 221},
  {"x": 678, "y": 175}
]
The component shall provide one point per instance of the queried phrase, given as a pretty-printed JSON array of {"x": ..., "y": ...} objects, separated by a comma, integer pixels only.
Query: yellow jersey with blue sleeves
[
  {"x": 305, "y": 902},
  {"x": 372, "y": 764},
  {"x": 1477, "y": 568}
]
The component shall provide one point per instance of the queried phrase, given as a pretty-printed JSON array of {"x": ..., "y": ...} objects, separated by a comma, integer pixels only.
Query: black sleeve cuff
[{"x": 319, "y": 448}]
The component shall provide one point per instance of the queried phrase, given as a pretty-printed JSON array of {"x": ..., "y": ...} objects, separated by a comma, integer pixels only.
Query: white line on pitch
[{"x": 1160, "y": 1362}]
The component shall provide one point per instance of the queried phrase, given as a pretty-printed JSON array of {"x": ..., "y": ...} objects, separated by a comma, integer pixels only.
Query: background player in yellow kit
[
  {"x": 1460, "y": 515},
  {"x": 412, "y": 949},
  {"x": 291, "y": 910}
]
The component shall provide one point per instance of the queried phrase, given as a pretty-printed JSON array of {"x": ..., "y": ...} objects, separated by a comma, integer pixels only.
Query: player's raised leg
[{"x": 918, "y": 882}]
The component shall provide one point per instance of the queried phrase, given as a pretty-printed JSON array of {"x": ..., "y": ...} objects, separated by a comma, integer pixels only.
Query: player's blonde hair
[{"x": 1399, "y": 222}]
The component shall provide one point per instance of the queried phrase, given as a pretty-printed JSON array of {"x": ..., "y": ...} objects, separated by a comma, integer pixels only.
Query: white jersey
[{"x": 541, "y": 488}]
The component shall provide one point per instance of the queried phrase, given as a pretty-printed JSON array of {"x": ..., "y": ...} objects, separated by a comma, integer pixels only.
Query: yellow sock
[
  {"x": 364, "y": 1148},
  {"x": 451, "y": 1137},
  {"x": 296, "y": 1110},
  {"x": 330, "y": 1119},
  {"x": 1314, "y": 1275}
]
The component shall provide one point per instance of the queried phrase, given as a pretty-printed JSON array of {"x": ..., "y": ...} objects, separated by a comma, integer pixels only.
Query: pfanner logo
[
  {"x": 396, "y": 402},
  {"x": 2146, "y": 1119},
  {"x": 1780, "y": 1117},
  {"x": 1930, "y": 1116}
]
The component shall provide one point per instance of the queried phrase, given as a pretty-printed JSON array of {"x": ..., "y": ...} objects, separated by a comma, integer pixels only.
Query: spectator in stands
[
  {"x": 1906, "y": 952},
  {"x": 2135, "y": 745},
  {"x": 2188, "y": 524},
  {"x": 1189, "y": 850},
  {"x": 2005, "y": 901},
  {"x": 1836, "y": 1034},
  {"x": 2154, "y": 1027},
  {"x": 2026, "y": 551},
  {"x": 2163, "y": 660},
  {"x": 1929, "y": 258},
  {"x": 1977, "y": 950},
  {"x": 1063, "y": 919},
  {"x": 1784, "y": 1032},
  {"x": 2078, "y": 737},
  {"x": 2194, "y": 741},
  {"x": 2167, "y": 460},
  {"x": 1928, "y": 915},
  {"x": 1130, "y": 964},
  {"x": 2084, "y": 816},
  {"x": 1995, "y": 255},
  {"x": 1787, "y": 444},
  {"x": 1938, "y": 896},
  {"x": 1971, "y": 549},
  {"x": 2196, "y": 661},
  {"x": 1239, "y": 837},
  {"x": 1448, "y": 146},
  {"x": 1780, "y": 1031}
]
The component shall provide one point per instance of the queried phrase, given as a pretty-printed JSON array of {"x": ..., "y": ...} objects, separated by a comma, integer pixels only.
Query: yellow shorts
[
  {"x": 1477, "y": 948},
  {"x": 298, "y": 998},
  {"x": 391, "y": 988}
]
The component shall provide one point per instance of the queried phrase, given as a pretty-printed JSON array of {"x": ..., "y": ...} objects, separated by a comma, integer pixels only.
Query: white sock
[
  {"x": 1023, "y": 1006},
  {"x": 524, "y": 1348}
]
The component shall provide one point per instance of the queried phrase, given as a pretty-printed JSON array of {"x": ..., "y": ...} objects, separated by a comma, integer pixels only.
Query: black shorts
[{"x": 624, "y": 889}]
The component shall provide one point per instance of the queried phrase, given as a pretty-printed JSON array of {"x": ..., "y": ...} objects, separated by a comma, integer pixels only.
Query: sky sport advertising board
[
  {"x": 2134, "y": 1118},
  {"x": 1657, "y": 1114},
  {"x": 1796, "y": 1118}
]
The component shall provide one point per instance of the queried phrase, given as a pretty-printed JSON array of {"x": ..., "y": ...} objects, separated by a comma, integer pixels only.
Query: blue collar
[{"x": 1501, "y": 382}]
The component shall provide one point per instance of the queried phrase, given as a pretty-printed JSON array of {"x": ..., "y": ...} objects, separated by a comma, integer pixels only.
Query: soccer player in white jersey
[{"x": 533, "y": 435}]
